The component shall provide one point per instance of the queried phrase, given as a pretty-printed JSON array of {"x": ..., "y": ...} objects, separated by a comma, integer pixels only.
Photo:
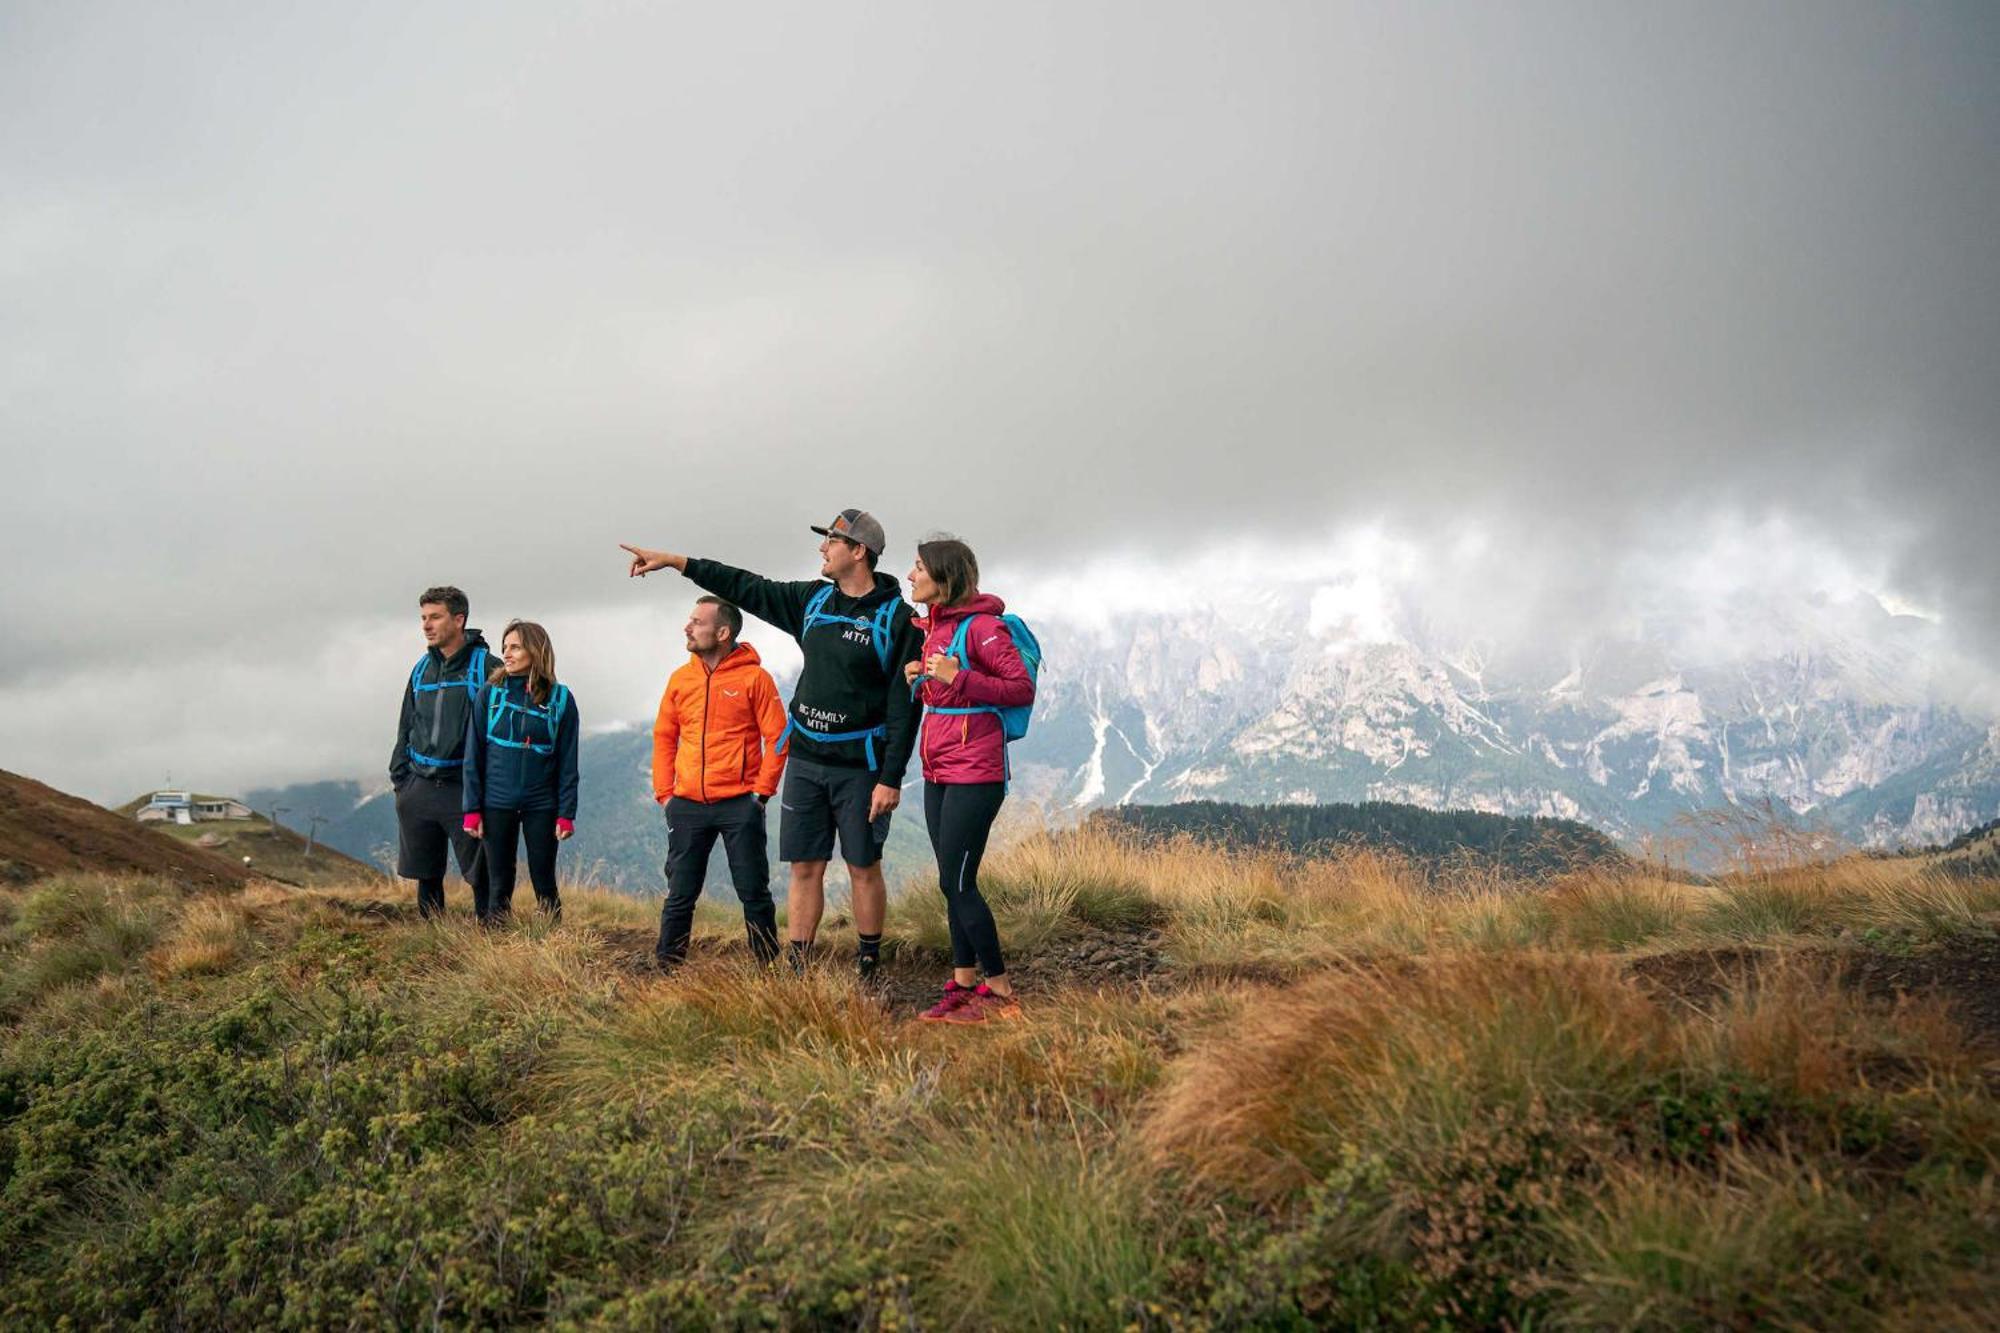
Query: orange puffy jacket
[{"x": 715, "y": 731}]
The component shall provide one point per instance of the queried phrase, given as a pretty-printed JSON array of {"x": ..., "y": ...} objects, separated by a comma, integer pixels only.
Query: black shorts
[
  {"x": 429, "y": 824},
  {"x": 820, "y": 800}
]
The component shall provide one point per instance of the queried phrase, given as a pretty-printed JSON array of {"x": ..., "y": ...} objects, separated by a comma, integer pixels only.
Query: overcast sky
[{"x": 303, "y": 308}]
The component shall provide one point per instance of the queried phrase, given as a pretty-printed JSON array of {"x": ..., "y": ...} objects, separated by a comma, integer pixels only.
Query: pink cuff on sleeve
[
  {"x": 472, "y": 821},
  {"x": 565, "y": 825}
]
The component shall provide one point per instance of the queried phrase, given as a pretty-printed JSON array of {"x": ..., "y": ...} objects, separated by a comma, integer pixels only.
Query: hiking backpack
[
  {"x": 499, "y": 704},
  {"x": 475, "y": 676},
  {"x": 1013, "y": 721},
  {"x": 881, "y": 628}
]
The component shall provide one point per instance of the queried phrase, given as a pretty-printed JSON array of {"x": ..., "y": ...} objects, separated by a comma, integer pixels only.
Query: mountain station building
[{"x": 179, "y": 807}]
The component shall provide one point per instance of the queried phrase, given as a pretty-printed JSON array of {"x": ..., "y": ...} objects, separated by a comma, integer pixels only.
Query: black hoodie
[
  {"x": 843, "y": 686},
  {"x": 430, "y": 736}
]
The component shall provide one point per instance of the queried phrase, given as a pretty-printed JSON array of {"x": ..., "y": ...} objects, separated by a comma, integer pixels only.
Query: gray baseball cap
[{"x": 856, "y": 525}]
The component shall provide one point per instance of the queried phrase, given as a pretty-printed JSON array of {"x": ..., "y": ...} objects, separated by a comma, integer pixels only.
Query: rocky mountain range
[{"x": 1827, "y": 713}]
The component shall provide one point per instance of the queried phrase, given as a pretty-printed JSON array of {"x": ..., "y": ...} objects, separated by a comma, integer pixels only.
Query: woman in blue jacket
[{"x": 520, "y": 766}]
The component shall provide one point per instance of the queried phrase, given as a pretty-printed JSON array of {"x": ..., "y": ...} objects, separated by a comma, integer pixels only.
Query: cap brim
[{"x": 849, "y": 537}]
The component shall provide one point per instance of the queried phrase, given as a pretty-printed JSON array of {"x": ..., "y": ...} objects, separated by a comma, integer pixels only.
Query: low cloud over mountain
[{"x": 309, "y": 309}]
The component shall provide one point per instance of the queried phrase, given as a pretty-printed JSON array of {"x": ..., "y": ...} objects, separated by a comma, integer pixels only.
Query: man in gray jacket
[{"x": 427, "y": 767}]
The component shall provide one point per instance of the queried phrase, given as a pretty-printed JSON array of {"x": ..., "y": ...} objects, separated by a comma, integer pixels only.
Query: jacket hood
[
  {"x": 742, "y": 657},
  {"x": 473, "y": 639},
  {"x": 886, "y": 587},
  {"x": 981, "y": 604}
]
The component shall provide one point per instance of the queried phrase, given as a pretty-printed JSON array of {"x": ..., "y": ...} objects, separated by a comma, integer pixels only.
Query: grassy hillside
[
  {"x": 275, "y": 853},
  {"x": 1249, "y": 1091},
  {"x": 1520, "y": 846},
  {"x": 44, "y": 831},
  {"x": 1975, "y": 852}
]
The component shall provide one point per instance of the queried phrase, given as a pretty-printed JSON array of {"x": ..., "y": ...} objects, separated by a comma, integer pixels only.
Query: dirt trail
[
  {"x": 909, "y": 982},
  {"x": 1964, "y": 971}
]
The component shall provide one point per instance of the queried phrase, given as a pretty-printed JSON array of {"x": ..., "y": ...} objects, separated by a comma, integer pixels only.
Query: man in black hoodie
[
  {"x": 427, "y": 767},
  {"x": 853, "y": 719}
]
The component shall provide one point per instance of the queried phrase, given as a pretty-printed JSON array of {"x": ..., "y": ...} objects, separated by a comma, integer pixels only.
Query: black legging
[
  {"x": 959, "y": 816},
  {"x": 537, "y": 828}
]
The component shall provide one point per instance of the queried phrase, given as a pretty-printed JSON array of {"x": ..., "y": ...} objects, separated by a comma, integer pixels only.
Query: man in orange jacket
[{"x": 715, "y": 765}]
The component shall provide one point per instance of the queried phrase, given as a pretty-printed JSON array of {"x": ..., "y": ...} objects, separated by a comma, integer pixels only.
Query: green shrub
[
  {"x": 1756, "y": 909},
  {"x": 1602, "y": 913},
  {"x": 74, "y": 928},
  {"x": 1769, "y": 1243},
  {"x": 1046, "y": 1238}
]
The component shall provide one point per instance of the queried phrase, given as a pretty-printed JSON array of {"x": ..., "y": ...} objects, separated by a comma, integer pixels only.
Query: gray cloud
[{"x": 304, "y": 311}]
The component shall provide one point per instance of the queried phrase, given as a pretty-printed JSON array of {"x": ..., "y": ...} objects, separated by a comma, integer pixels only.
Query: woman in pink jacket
[{"x": 964, "y": 754}]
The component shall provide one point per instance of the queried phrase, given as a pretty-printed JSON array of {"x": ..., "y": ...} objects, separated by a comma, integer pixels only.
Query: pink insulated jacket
[{"x": 971, "y": 748}]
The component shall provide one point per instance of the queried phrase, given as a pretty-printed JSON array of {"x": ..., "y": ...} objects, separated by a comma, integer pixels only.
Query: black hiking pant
[
  {"x": 504, "y": 830},
  {"x": 692, "y": 828},
  {"x": 959, "y": 816}
]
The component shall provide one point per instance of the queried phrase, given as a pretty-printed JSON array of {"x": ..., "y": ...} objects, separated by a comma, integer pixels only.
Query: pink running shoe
[
  {"x": 955, "y": 995},
  {"x": 984, "y": 1004}
]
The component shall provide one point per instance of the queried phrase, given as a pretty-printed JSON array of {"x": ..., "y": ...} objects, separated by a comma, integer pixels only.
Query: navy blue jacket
[{"x": 518, "y": 777}]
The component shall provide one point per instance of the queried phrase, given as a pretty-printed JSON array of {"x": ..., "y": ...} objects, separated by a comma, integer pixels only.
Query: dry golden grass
[
  {"x": 1599, "y": 910},
  {"x": 1795, "y": 1027},
  {"x": 210, "y": 935},
  {"x": 1267, "y": 1102},
  {"x": 530, "y": 970},
  {"x": 669, "y": 1034},
  {"x": 1926, "y": 901},
  {"x": 1264, "y": 914},
  {"x": 608, "y": 908}
]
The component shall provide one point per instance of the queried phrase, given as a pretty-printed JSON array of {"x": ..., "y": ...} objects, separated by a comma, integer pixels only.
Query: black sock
[
  {"x": 871, "y": 945},
  {"x": 795, "y": 953}
]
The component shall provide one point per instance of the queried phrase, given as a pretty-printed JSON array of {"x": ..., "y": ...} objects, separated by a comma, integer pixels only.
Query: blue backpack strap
[
  {"x": 816, "y": 607},
  {"x": 867, "y": 738},
  {"x": 884, "y": 629},
  {"x": 431, "y": 761},
  {"x": 475, "y": 674},
  {"x": 558, "y": 701},
  {"x": 956, "y": 648},
  {"x": 498, "y": 705}
]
